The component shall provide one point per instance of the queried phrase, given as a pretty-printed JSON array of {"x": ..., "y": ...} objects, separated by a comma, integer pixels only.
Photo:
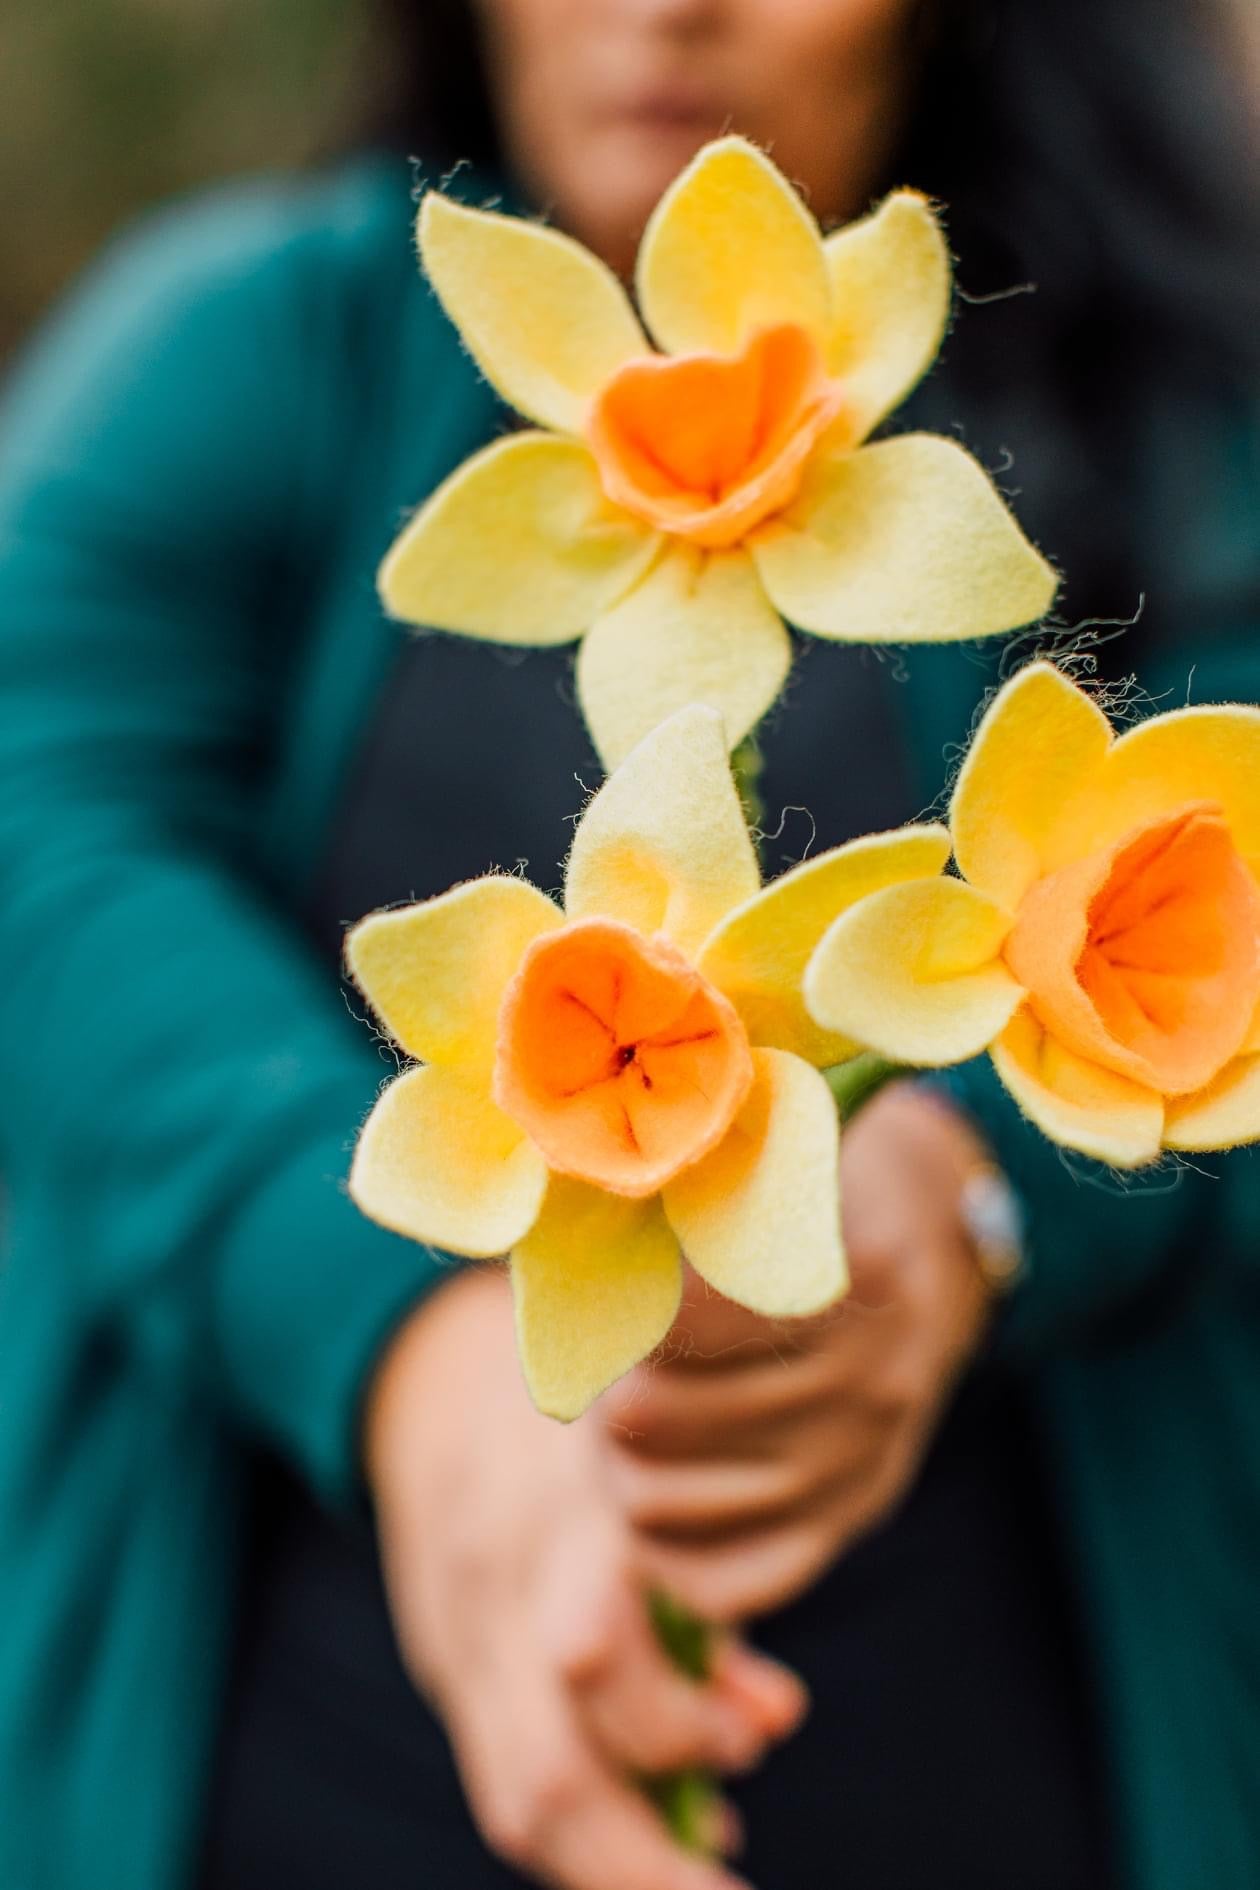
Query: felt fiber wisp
[
  {"x": 1103, "y": 940},
  {"x": 599, "y": 1087},
  {"x": 675, "y": 504}
]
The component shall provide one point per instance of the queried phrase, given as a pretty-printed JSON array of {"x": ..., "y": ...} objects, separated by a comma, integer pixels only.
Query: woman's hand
[
  {"x": 519, "y": 1611},
  {"x": 749, "y": 1456}
]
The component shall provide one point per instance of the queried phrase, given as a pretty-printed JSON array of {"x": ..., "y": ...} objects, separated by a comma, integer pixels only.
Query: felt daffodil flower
[
  {"x": 1103, "y": 942},
  {"x": 681, "y": 501},
  {"x": 601, "y": 1088}
]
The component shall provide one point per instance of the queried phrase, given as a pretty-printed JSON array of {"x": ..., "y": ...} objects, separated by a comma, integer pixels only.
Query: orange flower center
[
  {"x": 1145, "y": 957},
  {"x": 706, "y": 446},
  {"x": 619, "y": 1060}
]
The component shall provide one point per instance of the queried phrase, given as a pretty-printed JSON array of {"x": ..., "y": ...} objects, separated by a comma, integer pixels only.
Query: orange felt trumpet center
[
  {"x": 1145, "y": 957},
  {"x": 706, "y": 446},
  {"x": 619, "y": 1060}
]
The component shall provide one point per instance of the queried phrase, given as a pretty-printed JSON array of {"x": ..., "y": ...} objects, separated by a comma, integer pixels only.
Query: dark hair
[{"x": 1095, "y": 148}]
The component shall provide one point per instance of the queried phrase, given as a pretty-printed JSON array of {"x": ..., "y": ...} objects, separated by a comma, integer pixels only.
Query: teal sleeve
[
  {"x": 1100, "y": 1244},
  {"x": 179, "y": 1079}
]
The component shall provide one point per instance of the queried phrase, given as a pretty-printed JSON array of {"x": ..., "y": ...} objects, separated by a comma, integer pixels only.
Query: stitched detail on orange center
[
  {"x": 621, "y": 1062},
  {"x": 1145, "y": 956},
  {"x": 706, "y": 446}
]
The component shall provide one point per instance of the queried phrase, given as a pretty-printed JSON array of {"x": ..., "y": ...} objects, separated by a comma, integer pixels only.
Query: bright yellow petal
[
  {"x": 730, "y": 248},
  {"x": 1034, "y": 757},
  {"x": 597, "y": 1283},
  {"x": 1201, "y": 754},
  {"x": 906, "y": 541},
  {"x": 1076, "y": 1103},
  {"x": 759, "y": 952},
  {"x": 664, "y": 846},
  {"x": 1251, "y": 1042},
  {"x": 435, "y": 973},
  {"x": 914, "y": 973},
  {"x": 438, "y": 1161},
  {"x": 1224, "y": 1115},
  {"x": 698, "y": 628},
  {"x": 759, "y": 1219},
  {"x": 519, "y": 546},
  {"x": 545, "y": 321},
  {"x": 890, "y": 289}
]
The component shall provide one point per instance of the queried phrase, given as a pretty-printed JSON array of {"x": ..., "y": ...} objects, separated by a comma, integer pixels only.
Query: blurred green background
[{"x": 106, "y": 105}]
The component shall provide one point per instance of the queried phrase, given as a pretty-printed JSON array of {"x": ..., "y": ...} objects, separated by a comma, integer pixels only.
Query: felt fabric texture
[
  {"x": 469, "y": 942},
  {"x": 664, "y": 846},
  {"x": 759, "y": 952},
  {"x": 439, "y": 1161},
  {"x": 622, "y": 1063},
  {"x": 1034, "y": 754},
  {"x": 907, "y": 541},
  {"x": 771, "y": 1246},
  {"x": 705, "y": 446},
  {"x": 519, "y": 545},
  {"x": 1115, "y": 892},
  {"x": 730, "y": 249},
  {"x": 742, "y": 438},
  {"x": 596, "y": 1283},
  {"x": 597, "y": 1072},
  {"x": 914, "y": 972},
  {"x": 698, "y": 628},
  {"x": 890, "y": 295},
  {"x": 207, "y": 1236},
  {"x": 545, "y": 321},
  {"x": 1142, "y": 957}
]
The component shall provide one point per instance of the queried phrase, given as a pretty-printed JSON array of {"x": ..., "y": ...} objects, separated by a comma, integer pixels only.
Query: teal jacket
[{"x": 202, "y": 460}]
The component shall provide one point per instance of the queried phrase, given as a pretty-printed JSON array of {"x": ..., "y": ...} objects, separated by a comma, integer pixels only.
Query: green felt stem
[
  {"x": 688, "y": 1801},
  {"x": 854, "y": 1083},
  {"x": 747, "y": 763}
]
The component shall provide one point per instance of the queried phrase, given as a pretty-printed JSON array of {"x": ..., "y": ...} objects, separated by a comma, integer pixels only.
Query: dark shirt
[{"x": 950, "y": 1743}]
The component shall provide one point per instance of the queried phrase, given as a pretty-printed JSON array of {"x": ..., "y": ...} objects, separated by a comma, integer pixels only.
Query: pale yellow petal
[
  {"x": 519, "y": 546},
  {"x": 906, "y": 541},
  {"x": 730, "y": 248},
  {"x": 1076, "y": 1103},
  {"x": 759, "y": 1219},
  {"x": 759, "y": 952},
  {"x": 1210, "y": 753},
  {"x": 597, "y": 1283},
  {"x": 545, "y": 321},
  {"x": 890, "y": 292},
  {"x": 435, "y": 973},
  {"x": 698, "y": 628},
  {"x": 664, "y": 846},
  {"x": 437, "y": 1160},
  {"x": 914, "y": 973},
  {"x": 1034, "y": 758},
  {"x": 1224, "y": 1115}
]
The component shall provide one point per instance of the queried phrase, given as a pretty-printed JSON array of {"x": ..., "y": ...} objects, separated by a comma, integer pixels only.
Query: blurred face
[{"x": 602, "y": 102}]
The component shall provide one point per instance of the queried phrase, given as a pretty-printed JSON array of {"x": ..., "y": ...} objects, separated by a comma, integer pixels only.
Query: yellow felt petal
[
  {"x": 519, "y": 545},
  {"x": 435, "y": 973},
  {"x": 437, "y": 1160},
  {"x": 546, "y": 322},
  {"x": 1251, "y": 1042},
  {"x": 698, "y": 628},
  {"x": 1224, "y": 1115},
  {"x": 890, "y": 289},
  {"x": 1035, "y": 754},
  {"x": 906, "y": 541},
  {"x": 1210, "y": 753},
  {"x": 759, "y": 952},
  {"x": 597, "y": 1282},
  {"x": 1077, "y": 1103},
  {"x": 664, "y": 846},
  {"x": 913, "y": 972},
  {"x": 730, "y": 248},
  {"x": 759, "y": 1219}
]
